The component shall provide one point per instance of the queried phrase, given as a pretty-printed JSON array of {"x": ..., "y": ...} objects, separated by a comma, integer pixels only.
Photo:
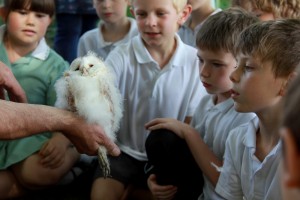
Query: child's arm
[{"x": 195, "y": 143}]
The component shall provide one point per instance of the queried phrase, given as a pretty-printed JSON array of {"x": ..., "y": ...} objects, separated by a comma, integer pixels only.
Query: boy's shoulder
[
  {"x": 244, "y": 135},
  {"x": 93, "y": 33}
]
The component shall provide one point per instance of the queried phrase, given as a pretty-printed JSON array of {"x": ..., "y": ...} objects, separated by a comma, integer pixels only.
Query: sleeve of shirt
[
  {"x": 229, "y": 183},
  {"x": 55, "y": 74},
  {"x": 115, "y": 60},
  {"x": 81, "y": 50}
]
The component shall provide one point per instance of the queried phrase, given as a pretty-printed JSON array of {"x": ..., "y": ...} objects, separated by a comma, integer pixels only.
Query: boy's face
[
  {"x": 27, "y": 27},
  {"x": 157, "y": 21},
  {"x": 111, "y": 11},
  {"x": 215, "y": 69},
  {"x": 255, "y": 87},
  {"x": 290, "y": 175}
]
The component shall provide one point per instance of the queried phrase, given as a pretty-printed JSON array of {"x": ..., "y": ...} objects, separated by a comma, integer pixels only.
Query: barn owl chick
[{"x": 87, "y": 88}]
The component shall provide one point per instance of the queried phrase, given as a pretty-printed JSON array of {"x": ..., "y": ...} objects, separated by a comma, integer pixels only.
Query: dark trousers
[
  {"x": 173, "y": 164},
  {"x": 69, "y": 28}
]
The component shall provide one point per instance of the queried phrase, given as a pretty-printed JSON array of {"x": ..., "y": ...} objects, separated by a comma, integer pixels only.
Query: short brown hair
[
  {"x": 220, "y": 31},
  {"x": 276, "y": 41}
]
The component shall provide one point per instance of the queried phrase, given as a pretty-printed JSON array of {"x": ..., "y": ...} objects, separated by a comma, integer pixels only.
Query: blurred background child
[
  {"x": 290, "y": 177},
  {"x": 201, "y": 9},
  {"x": 271, "y": 9},
  {"x": 114, "y": 28}
]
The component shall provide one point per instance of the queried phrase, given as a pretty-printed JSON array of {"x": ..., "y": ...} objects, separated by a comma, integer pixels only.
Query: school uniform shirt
[
  {"x": 213, "y": 123},
  {"x": 187, "y": 35},
  {"x": 37, "y": 73},
  {"x": 93, "y": 40},
  {"x": 243, "y": 175},
  {"x": 150, "y": 92}
]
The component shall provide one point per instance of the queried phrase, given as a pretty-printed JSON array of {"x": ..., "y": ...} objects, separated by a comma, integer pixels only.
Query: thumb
[{"x": 112, "y": 148}]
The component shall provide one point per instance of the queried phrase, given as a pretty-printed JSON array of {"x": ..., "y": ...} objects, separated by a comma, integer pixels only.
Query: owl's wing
[
  {"x": 61, "y": 88},
  {"x": 114, "y": 99}
]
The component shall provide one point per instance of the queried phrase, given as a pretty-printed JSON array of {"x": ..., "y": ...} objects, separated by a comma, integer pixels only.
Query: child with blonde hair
[
  {"x": 157, "y": 75},
  {"x": 181, "y": 152}
]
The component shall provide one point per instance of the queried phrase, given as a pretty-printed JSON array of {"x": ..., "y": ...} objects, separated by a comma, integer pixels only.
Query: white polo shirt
[
  {"x": 93, "y": 40},
  {"x": 213, "y": 123},
  {"x": 243, "y": 175},
  {"x": 150, "y": 92}
]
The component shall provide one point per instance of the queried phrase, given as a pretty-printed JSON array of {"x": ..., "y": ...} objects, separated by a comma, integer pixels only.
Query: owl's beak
[{"x": 84, "y": 72}]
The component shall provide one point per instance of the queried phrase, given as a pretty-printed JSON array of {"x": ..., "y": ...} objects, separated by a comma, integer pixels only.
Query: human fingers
[
  {"x": 154, "y": 122},
  {"x": 11, "y": 85},
  {"x": 165, "y": 192},
  {"x": 111, "y": 147},
  {"x": 160, "y": 192},
  {"x": 159, "y": 123},
  {"x": 53, "y": 160}
]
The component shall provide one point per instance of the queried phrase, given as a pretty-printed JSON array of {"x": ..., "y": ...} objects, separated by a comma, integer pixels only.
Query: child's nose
[
  {"x": 151, "y": 20},
  {"x": 30, "y": 18}
]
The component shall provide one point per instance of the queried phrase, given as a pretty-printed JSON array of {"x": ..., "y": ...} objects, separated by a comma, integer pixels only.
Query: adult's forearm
[{"x": 21, "y": 120}]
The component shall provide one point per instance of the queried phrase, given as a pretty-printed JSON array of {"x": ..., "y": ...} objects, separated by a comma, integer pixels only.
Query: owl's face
[{"x": 88, "y": 65}]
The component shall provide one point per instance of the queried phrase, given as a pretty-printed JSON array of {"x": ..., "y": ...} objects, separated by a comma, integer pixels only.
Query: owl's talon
[{"x": 103, "y": 162}]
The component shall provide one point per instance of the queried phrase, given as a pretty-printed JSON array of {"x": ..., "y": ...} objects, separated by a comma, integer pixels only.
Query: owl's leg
[{"x": 103, "y": 161}]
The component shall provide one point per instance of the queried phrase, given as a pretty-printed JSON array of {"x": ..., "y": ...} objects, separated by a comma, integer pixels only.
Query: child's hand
[
  {"x": 165, "y": 192},
  {"x": 53, "y": 152},
  {"x": 174, "y": 125}
]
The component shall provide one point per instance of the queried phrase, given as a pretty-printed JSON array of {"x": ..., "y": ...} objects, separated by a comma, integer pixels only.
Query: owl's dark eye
[
  {"x": 77, "y": 68},
  {"x": 91, "y": 65}
]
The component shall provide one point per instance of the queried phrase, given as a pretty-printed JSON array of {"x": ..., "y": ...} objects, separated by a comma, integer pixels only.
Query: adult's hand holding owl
[{"x": 87, "y": 137}]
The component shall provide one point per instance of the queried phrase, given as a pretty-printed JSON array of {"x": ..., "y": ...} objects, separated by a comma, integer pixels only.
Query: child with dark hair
[{"x": 41, "y": 160}]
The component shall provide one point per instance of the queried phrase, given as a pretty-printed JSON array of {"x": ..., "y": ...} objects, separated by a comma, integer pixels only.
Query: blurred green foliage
[{"x": 223, "y": 3}]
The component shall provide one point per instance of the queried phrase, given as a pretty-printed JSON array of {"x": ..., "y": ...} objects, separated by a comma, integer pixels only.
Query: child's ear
[
  {"x": 132, "y": 11},
  {"x": 184, "y": 14},
  {"x": 287, "y": 82},
  {"x": 291, "y": 166}
]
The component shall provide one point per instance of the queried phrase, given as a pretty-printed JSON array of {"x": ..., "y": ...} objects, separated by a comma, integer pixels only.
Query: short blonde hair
[
  {"x": 178, "y": 4},
  {"x": 279, "y": 8}
]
